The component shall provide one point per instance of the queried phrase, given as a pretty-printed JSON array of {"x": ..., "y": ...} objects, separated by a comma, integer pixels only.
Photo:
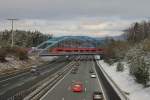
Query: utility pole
[{"x": 12, "y": 30}]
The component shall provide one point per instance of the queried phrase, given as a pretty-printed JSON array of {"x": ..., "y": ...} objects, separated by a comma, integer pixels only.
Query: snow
[
  {"x": 14, "y": 64},
  {"x": 48, "y": 58},
  {"x": 126, "y": 82}
]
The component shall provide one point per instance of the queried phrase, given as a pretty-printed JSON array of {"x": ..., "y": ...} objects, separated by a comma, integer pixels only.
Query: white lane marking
[
  {"x": 69, "y": 88},
  {"x": 85, "y": 89},
  {"x": 86, "y": 81},
  {"x": 63, "y": 98},
  {"x": 42, "y": 98},
  {"x": 100, "y": 83}
]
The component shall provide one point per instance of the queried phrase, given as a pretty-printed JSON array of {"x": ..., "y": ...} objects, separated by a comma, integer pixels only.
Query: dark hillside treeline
[
  {"x": 23, "y": 38},
  {"x": 135, "y": 34},
  {"x": 134, "y": 49},
  {"x": 138, "y": 32}
]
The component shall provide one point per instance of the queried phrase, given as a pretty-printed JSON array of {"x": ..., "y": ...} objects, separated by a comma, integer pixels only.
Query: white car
[
  {"x": 97, "y": 95},
  {"x": 93, "y": 75},
  {"x": 34, "y": 66},
  {"x": 34, "y": 70}
]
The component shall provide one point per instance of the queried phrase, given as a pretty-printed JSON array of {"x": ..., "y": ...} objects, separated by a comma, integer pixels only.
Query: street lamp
[{"x": 12, "y": 31}]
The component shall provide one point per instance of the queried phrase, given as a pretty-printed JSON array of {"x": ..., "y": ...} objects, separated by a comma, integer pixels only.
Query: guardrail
[
  {"x": 68, "y": 54},
  {"x": 114, "y": 86}
]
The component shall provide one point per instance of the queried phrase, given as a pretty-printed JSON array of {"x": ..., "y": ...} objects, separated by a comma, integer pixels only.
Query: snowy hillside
[{"x": 126, "y": 82}]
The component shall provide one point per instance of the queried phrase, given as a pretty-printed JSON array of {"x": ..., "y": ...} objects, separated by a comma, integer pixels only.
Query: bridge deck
[{"x": 67, "y": 54}]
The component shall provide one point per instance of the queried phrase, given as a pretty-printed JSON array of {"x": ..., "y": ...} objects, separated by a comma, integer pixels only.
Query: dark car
[
  {"x": 97, "y": 95},
  {"x": 91, "y": 71},
  {"x": 75, "y": 68},
  {"x": 77, "y": 64},
  {"x": 73, "y": 71},
  {"x": 34, "y": 70}
]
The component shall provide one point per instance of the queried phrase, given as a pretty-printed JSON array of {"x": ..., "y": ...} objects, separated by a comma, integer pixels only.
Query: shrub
[
  {"x": 120, "y": 67},
  {"x": 22, "y": 54},
  {"x": 142, "y": 74},
  {"x": 146, "y": 45},
  {"x": 3, "y": 54},
  {"x": 141, "y": 71},
  {"x": 115, "y": 50}
]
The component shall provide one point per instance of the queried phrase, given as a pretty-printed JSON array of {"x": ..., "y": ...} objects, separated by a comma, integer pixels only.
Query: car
[
  {"x": 67, "y": 56},
  {"x": 91, "y": 71},
  {"x": 77, "y": 64},
  {"x": 34, "y": 70},
  {"x": 74, "y": 71},
  {"x": 97, "y": 95},
  {"x": 75, "y": 68},
  {"x": 93, "y": 75},
  {"x": 34, "y": 66},
  {"x": 77, "y": 87}
]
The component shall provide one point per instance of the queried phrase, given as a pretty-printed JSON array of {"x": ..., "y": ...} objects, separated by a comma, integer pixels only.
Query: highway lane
[
  {"x": 4, "y": 78},
  {"x": 62, "y": 91},
  {"x": 11, "y": 86},
  {"x": 109, "y": 91},
  {"x": 24, "y": 76}
]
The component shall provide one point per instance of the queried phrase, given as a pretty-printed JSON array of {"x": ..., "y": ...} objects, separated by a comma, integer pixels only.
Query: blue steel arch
[{"x": 54, "y": 41}]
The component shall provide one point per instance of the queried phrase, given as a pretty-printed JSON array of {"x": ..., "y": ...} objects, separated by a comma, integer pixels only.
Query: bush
[
  {"x": 22, "y": 54},
  {"x": 141, "y": 71},
  {"x": 115, "y": 50},
  {"x": 3, "y": 54},
  {"x": 110, "y": 61},
  {"x": 146, "y": 45},
  {"x": 120, "y": 67}
]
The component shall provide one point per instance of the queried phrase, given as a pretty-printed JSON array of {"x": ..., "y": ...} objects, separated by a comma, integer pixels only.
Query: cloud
[
  {"x": 70, "y": 9},
  {"x": 74, "y": 17},
  {"x": 87, "y": 27}
]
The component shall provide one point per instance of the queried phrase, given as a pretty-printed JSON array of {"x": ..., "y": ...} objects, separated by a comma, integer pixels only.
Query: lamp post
[{"x": 12, "y": 30}]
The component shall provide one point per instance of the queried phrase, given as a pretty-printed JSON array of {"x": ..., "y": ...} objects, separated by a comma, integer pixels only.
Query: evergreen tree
[{"x": 120, "y": 67}]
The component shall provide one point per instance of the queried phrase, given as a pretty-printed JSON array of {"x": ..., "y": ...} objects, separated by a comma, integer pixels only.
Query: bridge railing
[{"x": 80, "y": 50}]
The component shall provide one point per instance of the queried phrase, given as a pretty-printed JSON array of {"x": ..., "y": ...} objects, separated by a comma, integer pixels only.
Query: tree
[
  {"x": 3, "y": 54},
  {"x": 140, "y": 70},
  {"x": 137, "y": 32},
  {"x": 142, "y": 73},
  {"x": 22, "y": 54},
  {"x": 120, "y": 67},
  {"x": 23, "y": 38}
]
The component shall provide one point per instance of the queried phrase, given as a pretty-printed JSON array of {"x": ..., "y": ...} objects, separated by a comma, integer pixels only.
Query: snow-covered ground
[
  {"x": 14, "y": 64},
  {"x": 48, "y": 58},
  {"x": 126, "y": 82}
]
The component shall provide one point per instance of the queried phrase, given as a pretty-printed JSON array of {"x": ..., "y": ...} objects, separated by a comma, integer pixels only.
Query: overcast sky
[{"x": 74, "y": 17}]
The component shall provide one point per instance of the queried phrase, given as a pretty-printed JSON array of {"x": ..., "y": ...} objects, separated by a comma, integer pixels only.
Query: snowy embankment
[
  {"x": 48, "y": 58},
  {"x": 126, "y": 82},
  {"x": 14, "y": 64}
]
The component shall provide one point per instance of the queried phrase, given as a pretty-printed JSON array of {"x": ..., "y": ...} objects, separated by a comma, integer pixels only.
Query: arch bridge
[{"x": 69, "y": 45}]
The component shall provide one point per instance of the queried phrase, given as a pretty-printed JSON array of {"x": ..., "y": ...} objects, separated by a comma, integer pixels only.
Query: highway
[
  {"x": 62, "y": 90},
  {"x": 13, "y": 84}
]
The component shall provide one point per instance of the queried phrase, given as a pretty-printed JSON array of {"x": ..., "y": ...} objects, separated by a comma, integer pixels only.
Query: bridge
[
  {"x": 69, "y": 45},
  {"x": 74, "y": 51}
]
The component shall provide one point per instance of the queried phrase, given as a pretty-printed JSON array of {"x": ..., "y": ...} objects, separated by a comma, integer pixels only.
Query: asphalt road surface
[
  {"x": 10, "y": 86},
  {"x": 62, "y": 90}
]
